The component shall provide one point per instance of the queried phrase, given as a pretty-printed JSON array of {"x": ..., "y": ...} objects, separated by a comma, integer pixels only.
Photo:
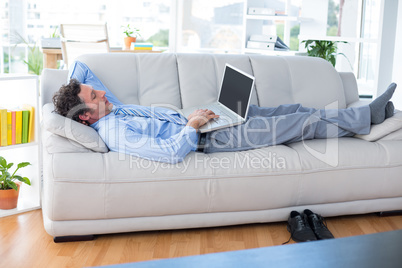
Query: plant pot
[
  {"x": 9, "y": 198},
  {"x": 50, "y": 43},
  {"x": 128, "y": 40}
]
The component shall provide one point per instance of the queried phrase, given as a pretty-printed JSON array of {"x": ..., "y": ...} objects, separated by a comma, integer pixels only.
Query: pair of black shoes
[{"x": 307, "y": 226}]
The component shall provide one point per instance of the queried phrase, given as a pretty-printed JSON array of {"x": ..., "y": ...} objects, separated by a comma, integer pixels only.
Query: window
[
  {"x": 211, "y": 26},
  {"x": 357, "y": 23},
  {"x": 25, "y": 23},
  {"x": 198, "y": 26},
  {"x": 368, "y": 48}
]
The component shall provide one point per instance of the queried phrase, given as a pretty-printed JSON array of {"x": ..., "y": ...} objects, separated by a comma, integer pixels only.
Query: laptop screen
[{"x": 236, "y": 90}]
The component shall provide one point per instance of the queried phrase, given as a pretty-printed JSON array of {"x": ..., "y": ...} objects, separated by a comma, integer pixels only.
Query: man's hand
[{"x": 200, "y": 117}]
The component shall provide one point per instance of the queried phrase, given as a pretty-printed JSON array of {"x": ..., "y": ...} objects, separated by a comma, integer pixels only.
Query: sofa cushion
[
  {"x": 57, "y": 144},
  {"x": 70, "y": 129},
  {"x": 82, "y": 73},
  {"x": 348, "y": 169},
  {"x": 381, "y": 130},
  {"x": 200, "y": 76},
  {"x": 394, "y": 136},
  {"x": 150, "y": 78},
  {"x": 287, "y": 80}
]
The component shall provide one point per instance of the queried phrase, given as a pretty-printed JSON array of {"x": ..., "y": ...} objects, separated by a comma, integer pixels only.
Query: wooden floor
[{"x": 25, "y": 243}]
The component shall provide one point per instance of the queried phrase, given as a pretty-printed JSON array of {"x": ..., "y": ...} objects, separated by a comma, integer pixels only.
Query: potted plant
[
  {"x": 35, "y": 56},
  {"x": 131, "y": 35},
  {"x": 9, "y": 190},
  {"x": 324, "y": 49},
  {"x": 53, "y": 41}
]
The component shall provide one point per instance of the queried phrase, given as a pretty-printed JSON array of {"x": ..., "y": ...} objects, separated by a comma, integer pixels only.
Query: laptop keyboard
[{"x": 220, "y": 112}]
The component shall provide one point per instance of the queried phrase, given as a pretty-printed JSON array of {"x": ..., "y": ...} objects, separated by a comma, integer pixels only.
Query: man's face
[{"x": 96, "y": 100}]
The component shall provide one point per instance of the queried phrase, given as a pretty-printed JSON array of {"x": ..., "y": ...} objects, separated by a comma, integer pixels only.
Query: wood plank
[{"x": 25, "y": 233}]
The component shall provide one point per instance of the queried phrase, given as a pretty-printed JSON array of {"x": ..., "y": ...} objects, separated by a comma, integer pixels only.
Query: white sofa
[{"x": 88, "y": 190}]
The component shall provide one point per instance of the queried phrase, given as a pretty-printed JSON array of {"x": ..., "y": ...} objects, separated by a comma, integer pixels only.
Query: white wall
[
  {"x": 386, "y": 48},
  {"x": 397, "y": 70}
]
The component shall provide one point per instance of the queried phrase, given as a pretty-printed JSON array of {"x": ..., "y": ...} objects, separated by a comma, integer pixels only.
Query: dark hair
[{"x": 67, "y": 102}]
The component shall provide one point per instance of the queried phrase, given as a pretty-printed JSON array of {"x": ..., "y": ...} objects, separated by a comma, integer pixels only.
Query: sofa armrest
[
  {"x": 51, "y": 81},
  {"x": 359, "y": 103},
  {"x": 350, "y": 87}
]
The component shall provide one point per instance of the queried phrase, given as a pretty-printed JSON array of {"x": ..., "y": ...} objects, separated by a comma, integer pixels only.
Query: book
[
  {"x": 9, "y": 125},
  {"x": 267, "y": 42},
  {"x": 13, "y": 127},
  {"x": 31, "y": 124},
  {"x": 25, "y": 125},
  {"x": 3, "y": 127},
  {"x": 263, "y": 38},
  {"x": 261, "y": 11},
  {"x": 280, "y": 45},
  {"x": 18, "y": 126},
  {"x": 261, "y": 45},
  {"x": 143, "y": 46}
]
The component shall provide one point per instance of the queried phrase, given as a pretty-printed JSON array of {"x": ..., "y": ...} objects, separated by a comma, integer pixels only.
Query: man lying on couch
[{"x": 164, "y": 135}]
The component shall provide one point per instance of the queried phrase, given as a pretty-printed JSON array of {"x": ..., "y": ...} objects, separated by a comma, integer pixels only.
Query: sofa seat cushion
[
  {"x": 118, "y": 186},
  {"x": 348, "y": 169},
  {"x": 132, "y": 187}
]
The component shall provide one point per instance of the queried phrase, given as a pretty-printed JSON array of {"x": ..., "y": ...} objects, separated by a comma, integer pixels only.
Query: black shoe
[
  {"x": 318, "y": 225},
  {"x": 299, "y": 228}
]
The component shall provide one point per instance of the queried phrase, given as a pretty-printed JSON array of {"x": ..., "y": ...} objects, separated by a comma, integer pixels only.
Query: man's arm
[
  {"x": 131, "y": 141},
  {"x": 84, "y": 75}
]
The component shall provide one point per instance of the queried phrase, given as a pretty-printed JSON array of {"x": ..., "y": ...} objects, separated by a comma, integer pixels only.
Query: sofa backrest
[{"x": 185, "y": 80}]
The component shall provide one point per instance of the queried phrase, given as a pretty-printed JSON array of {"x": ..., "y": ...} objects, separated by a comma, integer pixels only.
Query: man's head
[{"x": 81, "y": 102}]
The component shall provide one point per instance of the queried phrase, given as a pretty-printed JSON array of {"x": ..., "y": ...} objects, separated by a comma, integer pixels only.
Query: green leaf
[
  {"x": 10, "y": 165},
  {"x": 23, "y": 179},
  {"x": 315, "y": 51},
  {"x": 3, "y": 162},
  {"x": 23, "y": 164},
  {"x": 12, "y": 185},
  {"x": 332, "y": 59}
]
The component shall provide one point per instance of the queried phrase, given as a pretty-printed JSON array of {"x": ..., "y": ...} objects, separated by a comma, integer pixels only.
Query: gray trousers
[{"x": 286, "y": 124}]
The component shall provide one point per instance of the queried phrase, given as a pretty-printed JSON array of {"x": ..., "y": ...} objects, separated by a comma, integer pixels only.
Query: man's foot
[
  {"x": 317, "y": 224},
  {"x": 389, "y": 110},
  {"x": 378, "y": 106},
  {"x": 299, "y": 228}
]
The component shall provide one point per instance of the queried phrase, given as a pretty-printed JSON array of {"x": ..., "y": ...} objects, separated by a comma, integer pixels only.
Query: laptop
[{"x": 233, "y": 100}]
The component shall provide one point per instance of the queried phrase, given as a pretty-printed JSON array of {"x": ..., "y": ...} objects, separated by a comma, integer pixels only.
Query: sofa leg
[
  {"x": 389, "y": 213},
  {"x": 73, "y": 238}
]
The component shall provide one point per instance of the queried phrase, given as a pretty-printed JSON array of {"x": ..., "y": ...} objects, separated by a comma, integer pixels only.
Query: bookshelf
[
  {"x": 16, "y": 90},
  {"x": 255, "y": 24}
]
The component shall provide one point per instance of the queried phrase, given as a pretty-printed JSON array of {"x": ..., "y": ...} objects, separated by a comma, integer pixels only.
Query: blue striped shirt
[{"x": 143, "y": 137}]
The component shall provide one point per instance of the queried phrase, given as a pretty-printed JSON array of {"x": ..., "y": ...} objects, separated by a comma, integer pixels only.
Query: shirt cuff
[{"x": 193, "y": 136}]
